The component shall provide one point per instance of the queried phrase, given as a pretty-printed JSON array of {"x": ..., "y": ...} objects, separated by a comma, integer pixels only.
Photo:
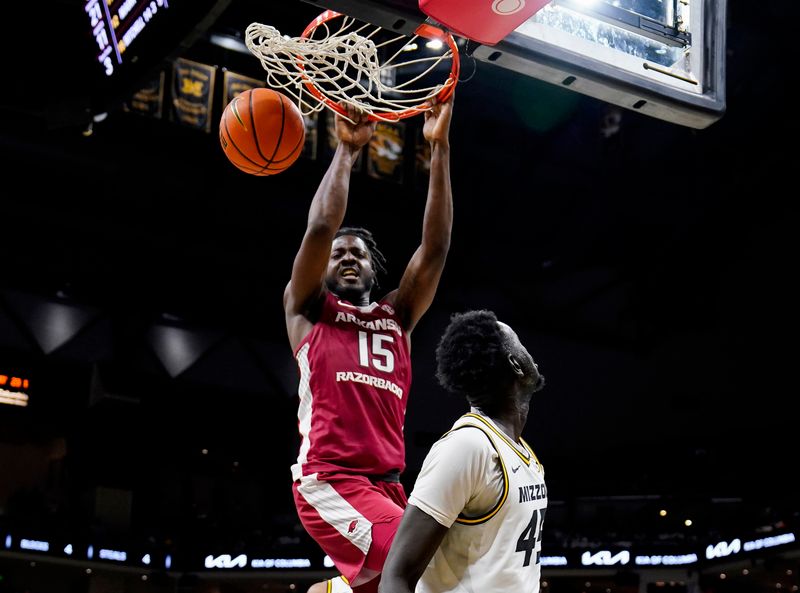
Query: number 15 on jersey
[{"x": 373, "y": 353}]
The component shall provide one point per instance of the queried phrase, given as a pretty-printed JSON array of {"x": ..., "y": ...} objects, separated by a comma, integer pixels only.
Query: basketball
[{"x": 262, "y": 132}]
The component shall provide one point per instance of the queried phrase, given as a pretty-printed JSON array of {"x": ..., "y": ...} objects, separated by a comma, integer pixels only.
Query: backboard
[{"x": 662, "y": 58}]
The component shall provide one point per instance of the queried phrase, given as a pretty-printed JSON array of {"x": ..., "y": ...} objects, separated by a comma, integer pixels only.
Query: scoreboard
[{"x": 115, "y": 25}]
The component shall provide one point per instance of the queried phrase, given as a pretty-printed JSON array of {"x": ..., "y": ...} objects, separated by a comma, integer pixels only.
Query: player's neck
[
  {"x": 510, "y": 422},
  {"x": 359, "y": 299},
  {"x": 510, "y": 425}
]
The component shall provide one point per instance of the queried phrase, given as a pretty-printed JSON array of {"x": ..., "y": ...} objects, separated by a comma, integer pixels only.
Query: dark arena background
[{"x": 148, "y": 395}]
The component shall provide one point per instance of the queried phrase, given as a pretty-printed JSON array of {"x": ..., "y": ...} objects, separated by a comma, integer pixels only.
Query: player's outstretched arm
[
  {"x": 421, "y": 277},
  {"x": 418, "y": 537},
  {"x": 325, "y": 216}
]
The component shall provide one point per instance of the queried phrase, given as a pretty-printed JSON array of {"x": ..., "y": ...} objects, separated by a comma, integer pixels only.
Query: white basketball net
[{"x": 345, "y": 67}]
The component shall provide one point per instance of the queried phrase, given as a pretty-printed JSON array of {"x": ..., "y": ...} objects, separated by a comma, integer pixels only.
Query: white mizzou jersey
[{"x": 490, "y": 492}]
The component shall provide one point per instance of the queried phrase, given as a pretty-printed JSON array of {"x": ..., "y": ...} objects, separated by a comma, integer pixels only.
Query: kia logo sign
[
  {"x": 226, "y": 561},
  {"x": 723, "y": 549},
  {"x": 605, "y": 558}
]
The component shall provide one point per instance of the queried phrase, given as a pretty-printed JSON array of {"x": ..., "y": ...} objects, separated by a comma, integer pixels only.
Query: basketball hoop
[{"x": 358, "y": 64}]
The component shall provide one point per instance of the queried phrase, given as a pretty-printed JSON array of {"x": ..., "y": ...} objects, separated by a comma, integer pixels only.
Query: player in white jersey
[{"x": 474, "y": 519}]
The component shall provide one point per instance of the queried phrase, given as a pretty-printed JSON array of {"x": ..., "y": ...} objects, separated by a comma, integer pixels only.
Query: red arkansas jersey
[{"x": 355, "y": 373}]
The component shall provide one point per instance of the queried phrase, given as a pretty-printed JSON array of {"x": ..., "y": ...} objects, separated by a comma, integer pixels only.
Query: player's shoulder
[
  {"x": 328, "y": 304},
  {"x": 390, "y": 297},
  {"x": 467, "y": 437},
  {"x": 464, "y": 453},
  {"x": 309, "y": 308}
]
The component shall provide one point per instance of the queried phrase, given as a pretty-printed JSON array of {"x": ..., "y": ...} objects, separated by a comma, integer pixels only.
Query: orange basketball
[{"x": 262, "y": 132}]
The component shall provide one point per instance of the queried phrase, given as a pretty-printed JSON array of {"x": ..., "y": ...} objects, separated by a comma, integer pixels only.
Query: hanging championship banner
[
  {"x": 233, "y": 84},
  {"x": 332, "y": 140},
  {"x": 192, "y": 92},
  {"x": 149, "y": 100},
  {"x": 386, "y": 152}
]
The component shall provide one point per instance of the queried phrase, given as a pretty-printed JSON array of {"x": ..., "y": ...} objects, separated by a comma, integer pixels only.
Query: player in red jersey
[{"x": 354, "y": 361}]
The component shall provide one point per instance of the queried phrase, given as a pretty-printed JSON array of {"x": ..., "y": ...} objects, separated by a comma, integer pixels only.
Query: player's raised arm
[
  {"x": 421, "y": 277},
  {"x": 324, "y": 219}
]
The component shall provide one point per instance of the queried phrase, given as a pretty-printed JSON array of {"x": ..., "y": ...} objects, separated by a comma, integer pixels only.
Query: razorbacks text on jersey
[
  {"x": 355, "y": 374},
  {"x": 491, "y": 493}
]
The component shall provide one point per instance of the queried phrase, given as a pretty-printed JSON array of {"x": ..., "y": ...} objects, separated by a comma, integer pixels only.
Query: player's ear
[{"x": 515, "y": 366}]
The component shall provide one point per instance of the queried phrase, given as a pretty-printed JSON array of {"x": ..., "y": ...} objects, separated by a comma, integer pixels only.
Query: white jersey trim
[{"x": 304, "y": 411}]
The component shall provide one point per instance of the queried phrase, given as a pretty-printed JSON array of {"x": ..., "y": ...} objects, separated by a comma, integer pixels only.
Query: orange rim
[{"x": 426, "y": 31}]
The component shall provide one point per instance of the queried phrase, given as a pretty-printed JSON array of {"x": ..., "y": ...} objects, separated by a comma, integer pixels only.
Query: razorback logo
[{"x": 352, "y": 527}]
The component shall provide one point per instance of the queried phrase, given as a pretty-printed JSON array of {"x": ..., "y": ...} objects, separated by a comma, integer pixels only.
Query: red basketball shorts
[{"x": 352, "y": 518}]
